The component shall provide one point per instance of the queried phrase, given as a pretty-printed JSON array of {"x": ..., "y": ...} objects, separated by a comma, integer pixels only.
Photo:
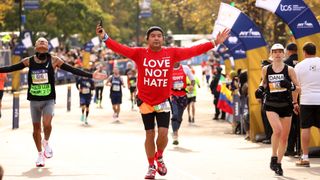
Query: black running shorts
[
  {"x": 286, "y": 111},
  {"x": 191, "y": 99},
  {"x": 310, "y": 116},
  {"x": 162, "y": 118}
]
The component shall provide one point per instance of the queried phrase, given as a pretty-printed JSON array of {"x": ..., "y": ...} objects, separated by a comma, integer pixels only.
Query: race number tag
[
  {"x": 163, "y": 107},
  {"x": 40, "y": 76},
  {"x": 178, "y": 85},
  {"x": 116, "y": 88},
  {"x": 85, "y": 91}
]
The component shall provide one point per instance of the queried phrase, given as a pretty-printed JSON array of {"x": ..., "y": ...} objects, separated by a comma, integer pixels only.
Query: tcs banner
[{"x": 300, "y": 19}]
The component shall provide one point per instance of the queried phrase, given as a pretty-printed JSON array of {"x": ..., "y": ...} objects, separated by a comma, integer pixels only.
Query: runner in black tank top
[
  {"x": 276, "y": 82},
  {"x": 41, "y": 92},
  {"x": 41, "y": 82},
  {"x": 116, "y": 83}
]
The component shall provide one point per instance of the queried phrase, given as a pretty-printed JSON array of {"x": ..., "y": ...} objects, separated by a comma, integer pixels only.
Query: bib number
[
  {"x": 178, "y": 85},
  {"x": 116, "y": 88},
  {"x": 163, "y": 107}
]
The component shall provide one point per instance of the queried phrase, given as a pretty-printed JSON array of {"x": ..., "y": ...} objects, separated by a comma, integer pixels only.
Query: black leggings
[{"x": 99, "y": 91}]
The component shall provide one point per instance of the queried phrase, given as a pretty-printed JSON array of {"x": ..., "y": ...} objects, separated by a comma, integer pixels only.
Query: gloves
[
  {"x": 287, "y": 84},
  {"x": 259, "y": 92}
]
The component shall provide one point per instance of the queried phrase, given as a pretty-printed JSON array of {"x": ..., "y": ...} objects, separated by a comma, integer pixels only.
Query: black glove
[
  {"x": 287, "y": 84},
  {"x": 259, "y": 92}
]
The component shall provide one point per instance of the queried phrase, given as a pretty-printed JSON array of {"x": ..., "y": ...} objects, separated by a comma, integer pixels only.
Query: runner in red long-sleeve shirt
[{"x": 155, "y": 66}]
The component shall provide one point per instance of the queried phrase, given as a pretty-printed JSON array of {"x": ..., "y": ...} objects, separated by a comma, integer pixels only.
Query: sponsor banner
[
  {"x": 248, "y": 32},
  {"x": 297, "y": 15}
]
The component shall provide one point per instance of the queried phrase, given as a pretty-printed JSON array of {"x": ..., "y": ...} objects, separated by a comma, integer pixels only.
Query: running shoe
[
  {"x": 151, "y": 172},
  {"x": 86, "y": 121},
  {"x": 303, "y": 162},
  {"x": 278, "y": 169},
  {"x": 175, "y": 140},
  {"x": 161, "y": 167},
  {"x": 40, "y": 160},
  {"x": 273, "y": 163},
  {"x": 47, "y": 149}
]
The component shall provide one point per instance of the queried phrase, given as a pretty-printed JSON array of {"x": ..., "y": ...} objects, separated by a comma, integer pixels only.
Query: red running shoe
[
  {"x": 161, "y": 167},
  {"x": 151, "y": 172}
]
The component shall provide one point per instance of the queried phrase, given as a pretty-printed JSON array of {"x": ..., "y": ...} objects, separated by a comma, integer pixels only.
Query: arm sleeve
[
  {"x": 75, "y": 71},
  {"x": 12, "y": 68},
  {"x": 186, "y": 53},
  {"x": 129, "y": 52}
]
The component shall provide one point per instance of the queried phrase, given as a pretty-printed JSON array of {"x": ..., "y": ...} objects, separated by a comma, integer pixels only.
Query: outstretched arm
[
  {"x": 186, "y": 53},
  {"x": 61, "y": 64},
  {"x": 14, "y": 67}
]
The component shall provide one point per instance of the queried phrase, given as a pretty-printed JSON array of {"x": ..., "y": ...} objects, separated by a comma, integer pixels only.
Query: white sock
[
  {"x": 40, "y": 153},
  {"x": 305, "y": 156}
]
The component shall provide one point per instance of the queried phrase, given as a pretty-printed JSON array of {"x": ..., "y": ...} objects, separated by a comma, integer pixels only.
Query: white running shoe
[
  {"x": 47, "y": 149},
  {"x": 40, "y": 160}
]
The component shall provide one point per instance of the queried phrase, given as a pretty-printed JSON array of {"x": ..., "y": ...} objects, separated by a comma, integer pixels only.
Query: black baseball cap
[{"x": 154, "y": 28}]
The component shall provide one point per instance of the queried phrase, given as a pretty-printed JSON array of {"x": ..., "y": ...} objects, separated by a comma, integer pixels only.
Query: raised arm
[
  {"x": 126, "y": 51},
  {"x": 186, "y": 53}
]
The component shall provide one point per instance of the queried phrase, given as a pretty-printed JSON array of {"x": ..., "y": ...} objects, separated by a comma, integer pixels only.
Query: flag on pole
[{"x": 225, "y": 100}]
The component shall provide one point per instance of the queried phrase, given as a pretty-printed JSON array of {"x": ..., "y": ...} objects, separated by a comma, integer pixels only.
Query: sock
[
  {"x": 87, "y": 113},
  {"x": 305, "y": 156},
  {"x": 151, "y": 161},
  {"x": 159, "y": 153}
]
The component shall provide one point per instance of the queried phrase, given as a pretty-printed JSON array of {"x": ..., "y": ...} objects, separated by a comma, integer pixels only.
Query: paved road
[{"x": 115, "y": 151}]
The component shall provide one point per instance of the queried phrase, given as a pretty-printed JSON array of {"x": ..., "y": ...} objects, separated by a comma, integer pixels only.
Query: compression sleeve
[
  {"x": 75, "y": 71},
  {"x": 12, "y": 68}
]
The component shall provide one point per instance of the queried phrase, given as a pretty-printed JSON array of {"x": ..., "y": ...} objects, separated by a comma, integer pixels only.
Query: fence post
[
  {"x": 15, "y": 112},
  {"x": 69, "y": 99}
]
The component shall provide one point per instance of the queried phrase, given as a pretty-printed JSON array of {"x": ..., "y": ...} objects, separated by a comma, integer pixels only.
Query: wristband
[{"x": 105, "y": 37}]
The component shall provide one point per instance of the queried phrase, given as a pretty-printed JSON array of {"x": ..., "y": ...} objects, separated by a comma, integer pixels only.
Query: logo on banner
[
  {"x": 288, "y": 8},
  {"x": 305, "y": 24},
  {"x": 240, "y": 51},
  {"x": 233, "y": 40},
  {"x": 250, "y": 34}
]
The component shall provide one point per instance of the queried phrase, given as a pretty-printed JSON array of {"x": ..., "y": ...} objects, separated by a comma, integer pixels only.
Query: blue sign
[
  {"x": 18, "y": 50},
  {"x": 31, "y": 4}
]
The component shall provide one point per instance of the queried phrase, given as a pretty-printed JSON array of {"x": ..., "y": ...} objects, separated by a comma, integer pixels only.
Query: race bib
[
  {"x": 274, "y": 83},
  {"x": 85, "y": 91},
  {"x": 40, "y": 89},
  {"x": 116, "y": 88},
  {"x": 163, "y": 107},
  {"x": 178, "y": 85},
  {"x": 40, "y": 76}
]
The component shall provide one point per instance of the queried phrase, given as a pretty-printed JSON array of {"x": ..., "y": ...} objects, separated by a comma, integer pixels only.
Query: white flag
[
  {"x": 270, "y": 5},
  {"x": 27, "y": 40},
  {"x": 95, "y": 41},
  {"x": 54, "y": 42}
]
